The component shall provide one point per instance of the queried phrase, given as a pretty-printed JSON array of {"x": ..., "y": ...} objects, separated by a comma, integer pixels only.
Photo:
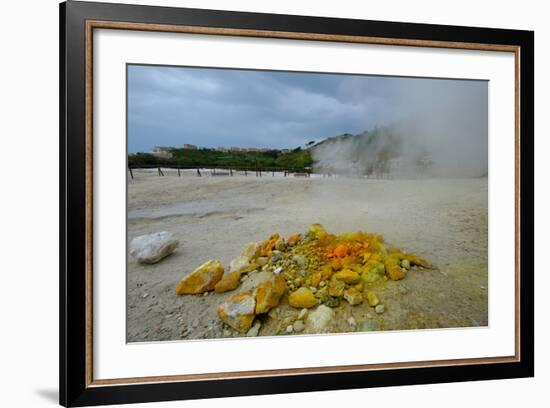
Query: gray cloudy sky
[{"x": 170, "y": 106}]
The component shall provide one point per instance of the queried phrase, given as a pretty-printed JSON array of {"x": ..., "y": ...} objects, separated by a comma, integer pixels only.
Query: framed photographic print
[{"x": 256, "y": 203}]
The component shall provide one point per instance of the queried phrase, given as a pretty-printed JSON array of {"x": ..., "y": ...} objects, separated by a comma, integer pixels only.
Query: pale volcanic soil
[{"x": 441, "y": 220}]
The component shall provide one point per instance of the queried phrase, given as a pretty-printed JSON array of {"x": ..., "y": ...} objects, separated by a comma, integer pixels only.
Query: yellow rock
[
  {"x": 326, "y": 272},
  {"x": 348, "y": 276},
  {"x": 202, "y": 279},
  {"x": 336, "y": 288},
  {"x": 294, "y": 238},
  {"x": 301, "y": 298},
  {"x": 269, "y": 293},
  {"x": 238, "y": 311},
  {"x": 315, "y": 279},
  {"x": 372, "y": 299},
  {"x": 392, "y": 264},
  {"x": 353, "y": 296},
  {"x": 231, "y": 281}
]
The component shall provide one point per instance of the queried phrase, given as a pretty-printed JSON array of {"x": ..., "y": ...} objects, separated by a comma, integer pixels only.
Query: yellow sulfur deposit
[{"x": 307, "y": 270}]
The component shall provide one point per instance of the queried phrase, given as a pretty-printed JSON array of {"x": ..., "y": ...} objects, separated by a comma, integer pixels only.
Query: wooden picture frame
[{"x": 78, "y": 20}]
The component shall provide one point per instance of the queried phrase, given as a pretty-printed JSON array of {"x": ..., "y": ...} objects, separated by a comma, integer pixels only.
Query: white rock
[
  {"x": 302, "y": 314},
  {"x": 319, "y": 319},
  {"x": 379, "y": 309},
  {"x": 289, "y": 328},
  {"x": 151, "y": 248},
  {"x": 351, "y": 321}
]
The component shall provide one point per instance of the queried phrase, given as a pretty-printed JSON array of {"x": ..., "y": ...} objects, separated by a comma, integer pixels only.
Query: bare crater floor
[{"x": 442, "y": 220}]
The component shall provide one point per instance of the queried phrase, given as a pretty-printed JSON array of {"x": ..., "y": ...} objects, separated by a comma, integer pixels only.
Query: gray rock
[
  {"x": 403, "y": 289},
  {"x": 151, "y": 248},
  {"x": 379, "y": 309},
  {"x": 289, "y": 328},
  {"x": 298, "y": 326}
]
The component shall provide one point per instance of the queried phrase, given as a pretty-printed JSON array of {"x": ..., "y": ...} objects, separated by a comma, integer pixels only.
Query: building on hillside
[{"x": 189, "y": 146}]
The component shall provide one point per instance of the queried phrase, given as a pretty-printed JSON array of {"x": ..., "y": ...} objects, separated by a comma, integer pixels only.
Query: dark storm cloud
[{"x": 170, "y": 106}]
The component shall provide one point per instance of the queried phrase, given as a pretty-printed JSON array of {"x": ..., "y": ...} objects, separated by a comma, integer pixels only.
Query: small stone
[
  {"x": 254, "y": 330},
  {"x": 301, "y": 298},
  {"x": 379, "y": 309},
  {"x": 302, "y": 314},
  {"x": 227, "y": 333},
  {"x": 275, "y": 258},
  {"x": 151, "y": 248},
  {"x": 294, "y": 238},
  {"x": 353, "y": 296},
  {"x": 351, "y": 321},
  {"x": 289, "y": 328},
  {"x": 372, "y": 299},
  {"x": 405, "y": 263},
  {"x": 205, "y": 294},
  {"x": 298, "y": 326},
  {"x": 322, "y": 283},
  {"x": 347, "y": 276},
  {"x": 278, "y": 270},
  {"x": 403, "y": 289},
  {"x": 144, "y": 296},
  {"x": 313, "y": 290}
]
